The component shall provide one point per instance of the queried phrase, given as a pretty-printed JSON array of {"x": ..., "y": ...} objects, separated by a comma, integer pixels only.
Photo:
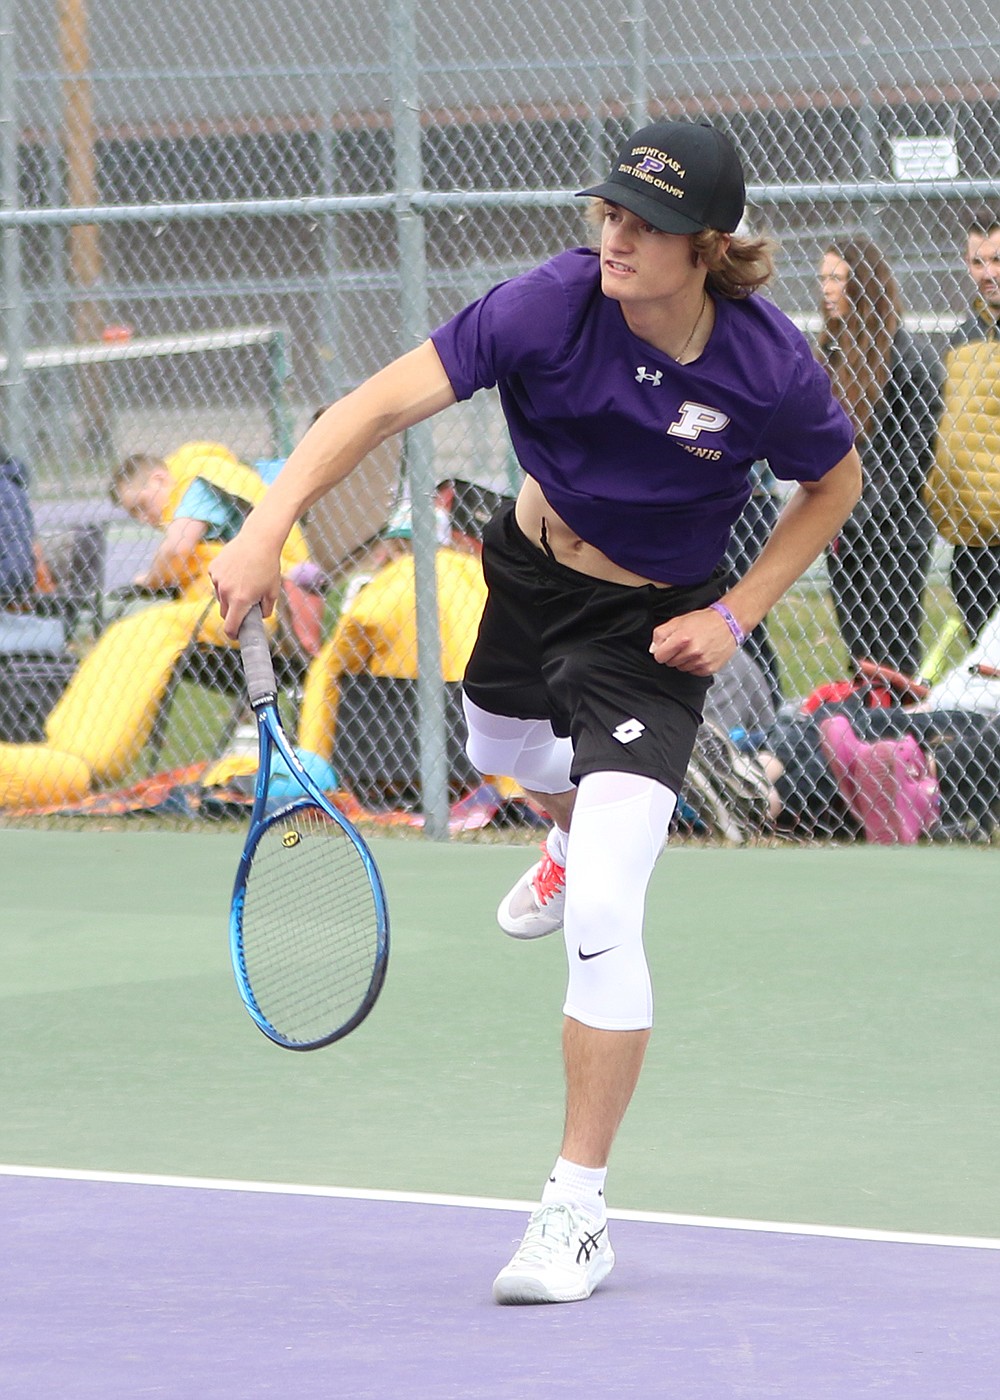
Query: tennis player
[{"x": 640, "y": 382}]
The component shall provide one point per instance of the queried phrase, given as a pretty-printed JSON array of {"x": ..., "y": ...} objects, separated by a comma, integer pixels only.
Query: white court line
[{"x": 707, "y": 1222}]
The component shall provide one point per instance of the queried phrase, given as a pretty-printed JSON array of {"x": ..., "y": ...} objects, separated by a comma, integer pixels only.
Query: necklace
[{"x": 683, "y": 350}]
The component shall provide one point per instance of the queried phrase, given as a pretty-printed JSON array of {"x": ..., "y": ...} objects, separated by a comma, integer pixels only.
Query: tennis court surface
[{"x": 805, "y": 1191}]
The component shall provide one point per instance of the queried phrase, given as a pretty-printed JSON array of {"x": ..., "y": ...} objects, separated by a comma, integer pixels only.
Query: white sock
[
  {"x": 573, "y": 1185},
  {"x": 555, "y": 844}
]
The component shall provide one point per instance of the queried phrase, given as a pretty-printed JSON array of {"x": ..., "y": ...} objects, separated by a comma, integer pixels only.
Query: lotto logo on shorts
[{"x": 628, "y": 730}]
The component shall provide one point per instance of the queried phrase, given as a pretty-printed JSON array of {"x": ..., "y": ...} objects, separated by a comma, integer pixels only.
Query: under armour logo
[
  {"x": 645, "y": 376},
  {"x": 628, "y": 730}
]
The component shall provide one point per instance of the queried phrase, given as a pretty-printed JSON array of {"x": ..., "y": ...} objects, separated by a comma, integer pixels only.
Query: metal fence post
[
  {"x": 638, "y": 49},
  {"x": 281, "y": 425},
  {"x": 419, "y": 448},
  {"x": 13, "y": 296}
]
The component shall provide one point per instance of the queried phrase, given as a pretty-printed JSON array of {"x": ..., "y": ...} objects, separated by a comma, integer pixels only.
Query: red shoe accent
[{"x": 550, "y": 878}]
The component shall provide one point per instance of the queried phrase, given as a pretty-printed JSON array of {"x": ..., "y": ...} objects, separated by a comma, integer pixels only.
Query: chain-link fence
[{"x": 218, "y": 218}]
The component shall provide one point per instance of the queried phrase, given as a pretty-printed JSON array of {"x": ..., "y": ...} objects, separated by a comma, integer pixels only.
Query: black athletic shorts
[{"x": 556, "y": 644}]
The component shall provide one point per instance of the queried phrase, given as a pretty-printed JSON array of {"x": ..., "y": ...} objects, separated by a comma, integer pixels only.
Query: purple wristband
[{"x": 739, "y": 636}]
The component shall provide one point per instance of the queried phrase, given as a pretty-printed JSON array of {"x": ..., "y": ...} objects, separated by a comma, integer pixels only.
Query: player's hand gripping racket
[{"x": 309, "y": 925}]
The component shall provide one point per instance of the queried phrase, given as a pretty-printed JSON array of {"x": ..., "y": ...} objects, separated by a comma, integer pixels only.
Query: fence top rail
[
  {"x": 145, "y": 347},
  {"x": 315, "y": 206}
]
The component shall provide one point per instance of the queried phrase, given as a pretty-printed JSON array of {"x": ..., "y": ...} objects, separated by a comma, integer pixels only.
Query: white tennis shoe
[
  {"x": 535, "y": 905},
  {"x": 564, "y": 1255}
]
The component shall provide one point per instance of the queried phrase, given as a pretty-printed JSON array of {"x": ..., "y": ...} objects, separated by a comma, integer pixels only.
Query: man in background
[{"x": 963, "y": 486}]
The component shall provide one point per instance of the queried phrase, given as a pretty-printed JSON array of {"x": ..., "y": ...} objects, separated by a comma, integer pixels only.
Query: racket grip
[{"x": 256, "y": 656}]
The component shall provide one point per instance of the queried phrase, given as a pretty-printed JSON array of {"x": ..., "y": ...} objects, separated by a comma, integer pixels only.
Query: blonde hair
[
  {"x": 138, "y": 467},
  {"x": 738, "y": 264}
]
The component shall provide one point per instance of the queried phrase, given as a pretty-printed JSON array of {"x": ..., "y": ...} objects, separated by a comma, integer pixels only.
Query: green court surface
[{"x": 825, "y": 1052}]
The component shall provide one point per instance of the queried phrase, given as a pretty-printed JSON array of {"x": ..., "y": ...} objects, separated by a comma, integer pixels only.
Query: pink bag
[{"x": 889, "y": 785}]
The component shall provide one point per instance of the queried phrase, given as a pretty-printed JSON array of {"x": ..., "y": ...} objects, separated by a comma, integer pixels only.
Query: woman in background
[{"x": 890, "y": 388}]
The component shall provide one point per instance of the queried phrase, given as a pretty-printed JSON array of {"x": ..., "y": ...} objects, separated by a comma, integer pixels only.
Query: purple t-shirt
[{"x": 644, "y": 458}]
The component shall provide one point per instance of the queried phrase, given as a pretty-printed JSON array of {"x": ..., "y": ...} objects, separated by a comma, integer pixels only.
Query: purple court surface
[{"x": 126, "y": 1289}]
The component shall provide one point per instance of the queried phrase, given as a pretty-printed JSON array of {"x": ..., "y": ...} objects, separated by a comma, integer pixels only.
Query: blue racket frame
[{"x": 256, "y": 657}]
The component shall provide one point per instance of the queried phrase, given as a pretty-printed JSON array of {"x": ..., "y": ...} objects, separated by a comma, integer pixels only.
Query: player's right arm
[{"x": 409, "y": 390}]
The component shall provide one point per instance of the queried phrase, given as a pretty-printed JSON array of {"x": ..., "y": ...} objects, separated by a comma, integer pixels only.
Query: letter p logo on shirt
[{"x": 697, "y": 418}]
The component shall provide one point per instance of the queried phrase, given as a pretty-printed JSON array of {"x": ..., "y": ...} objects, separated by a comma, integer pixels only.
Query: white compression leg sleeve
[
  {"x": 523, "y": 749},
  {"x": 619, "y": 826}
]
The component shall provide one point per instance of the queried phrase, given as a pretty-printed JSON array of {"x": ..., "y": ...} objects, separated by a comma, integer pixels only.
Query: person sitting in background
[
  {"x": 890, "y": 387},
  {"x": 886, "y": 756},
  {"x": 23, "y": 630},
  {"x": 893, "y": 774},
  {"x": 199, "y": 497},
  {"x": 923, "y": 761},
  {"x": 748, "y": 537},
  {"x": 359, "y": 704},
  {"x": 17, "y": 534},
  {"x": 727, "y": 791},
  {"x": 105, "y": 716}
]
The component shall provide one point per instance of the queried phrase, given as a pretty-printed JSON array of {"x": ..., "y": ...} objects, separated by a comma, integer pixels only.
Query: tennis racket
[{"x": 309, "y": 923}]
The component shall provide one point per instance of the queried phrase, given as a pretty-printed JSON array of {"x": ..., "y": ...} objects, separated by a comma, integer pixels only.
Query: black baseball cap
[{"x": 680, "y": 177}]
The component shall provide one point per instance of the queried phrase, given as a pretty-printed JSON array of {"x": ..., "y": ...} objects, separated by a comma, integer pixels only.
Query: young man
[
  {"x": 640, "y": 383},
  {"x": 963, "y": 487},
  {"x": 198, "y": 496}
]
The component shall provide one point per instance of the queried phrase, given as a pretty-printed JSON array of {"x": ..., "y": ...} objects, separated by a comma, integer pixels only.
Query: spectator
[
  {"x": 17, "y": 533},
  {"x": 889, "y": 386},
  {"x": 749, "y": 536},
  {"x": 106, "y": 714},
  {"x": 963, "y": 489},
  {"x": 829, "y": 779},
  {"x": 974, "y": 683},
  {"x": 740, "y": 699},
  {"x": 199, "y": 497},
  {"x": 23, "y": 630},
  {"x": 359, "y": 705},
  {"x": 893, "y": 774},
  {"x": 727, "y": 790},
  {"x": 905, "y": 769}
]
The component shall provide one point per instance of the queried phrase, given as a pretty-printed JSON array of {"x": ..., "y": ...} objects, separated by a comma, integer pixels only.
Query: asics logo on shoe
[
  {"x": 588, "y": 1243},
  {"x": 628, "y": 730},
  {"x": 585, "y": 957}
]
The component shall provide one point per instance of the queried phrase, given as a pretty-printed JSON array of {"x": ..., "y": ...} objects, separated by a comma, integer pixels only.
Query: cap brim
[{"x": 651, "y": 210}]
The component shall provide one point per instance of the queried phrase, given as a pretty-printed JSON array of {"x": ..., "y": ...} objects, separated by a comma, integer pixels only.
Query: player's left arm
[{"x": 701, "y": 642}]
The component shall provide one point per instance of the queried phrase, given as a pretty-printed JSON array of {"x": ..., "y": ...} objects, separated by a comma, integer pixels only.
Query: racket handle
[{"x": 256, "y": 657}]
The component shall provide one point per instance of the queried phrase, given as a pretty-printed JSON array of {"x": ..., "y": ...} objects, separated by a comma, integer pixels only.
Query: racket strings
[{"x": 312, "y": 930}]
